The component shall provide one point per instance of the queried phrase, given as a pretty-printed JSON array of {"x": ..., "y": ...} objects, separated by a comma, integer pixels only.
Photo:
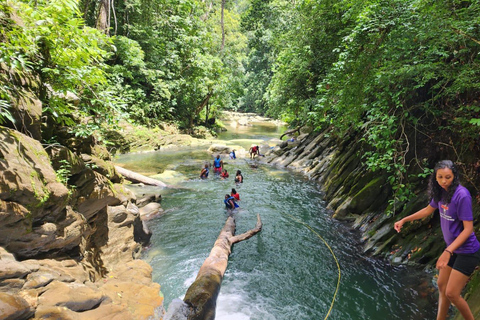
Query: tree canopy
[{"x": 400, "y": 74}]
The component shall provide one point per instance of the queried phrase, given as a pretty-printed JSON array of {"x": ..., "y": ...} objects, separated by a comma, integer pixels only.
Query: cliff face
[
  {"x": 358, "y": 195},
  {"x": 70, "y": 235}
]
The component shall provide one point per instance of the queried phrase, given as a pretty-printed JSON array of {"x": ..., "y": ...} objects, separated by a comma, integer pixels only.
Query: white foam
[
  {"x": 177, "y": 310},
  {"x": 230, "y": 307}
]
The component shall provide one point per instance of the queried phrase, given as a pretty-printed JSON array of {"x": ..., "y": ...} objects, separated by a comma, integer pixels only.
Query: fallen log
[
  {"x": 201, "y": 296},
  {"x": 138, "y": 178}
]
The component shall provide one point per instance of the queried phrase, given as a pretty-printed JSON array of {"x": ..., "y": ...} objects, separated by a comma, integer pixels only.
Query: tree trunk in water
[
  {"x": 201, "y": 296},
  {"x": 138, "y": 178}
]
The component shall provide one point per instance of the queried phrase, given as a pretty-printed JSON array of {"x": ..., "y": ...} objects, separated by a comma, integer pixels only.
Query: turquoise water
[{"x": 284, "y": 272}]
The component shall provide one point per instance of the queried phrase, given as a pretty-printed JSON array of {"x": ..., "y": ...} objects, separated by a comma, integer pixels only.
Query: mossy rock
[{"x": 373, "y": 194}]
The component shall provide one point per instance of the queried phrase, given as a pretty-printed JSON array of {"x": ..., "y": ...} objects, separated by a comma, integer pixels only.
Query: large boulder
[
  {"x": 61, "y": 236},
  {"x": 60, "y": 289},
  {"x": 32, "y": 200},
  {"x": 27, "y": 177}
]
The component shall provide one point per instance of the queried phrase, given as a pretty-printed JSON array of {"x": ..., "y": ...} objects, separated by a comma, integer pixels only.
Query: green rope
[{"x": 333, "y": 254}]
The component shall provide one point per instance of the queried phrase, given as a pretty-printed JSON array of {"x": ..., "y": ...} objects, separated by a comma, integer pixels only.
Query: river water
[{"x": 285, "y": 272}]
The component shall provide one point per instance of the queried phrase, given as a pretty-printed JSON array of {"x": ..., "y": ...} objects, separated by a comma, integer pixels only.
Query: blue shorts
[{"x": 464, "y": 262}]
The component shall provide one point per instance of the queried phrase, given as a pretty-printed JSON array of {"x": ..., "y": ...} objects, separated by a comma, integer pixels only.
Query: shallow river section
[{"x": 285, "y": 272}]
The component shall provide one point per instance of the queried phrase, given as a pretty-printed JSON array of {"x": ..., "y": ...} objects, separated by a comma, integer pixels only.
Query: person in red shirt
[
  {"x": 254, "y": 151},
  {"x": 235, "y": 194},
  {"x": 224, "y": 174}
]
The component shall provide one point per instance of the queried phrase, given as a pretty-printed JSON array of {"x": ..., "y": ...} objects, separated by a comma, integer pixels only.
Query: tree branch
[{"x": 250, "y": 233}]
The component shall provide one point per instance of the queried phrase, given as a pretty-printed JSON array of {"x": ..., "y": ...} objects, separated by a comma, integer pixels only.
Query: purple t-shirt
[{"x": 452, "y": 216}]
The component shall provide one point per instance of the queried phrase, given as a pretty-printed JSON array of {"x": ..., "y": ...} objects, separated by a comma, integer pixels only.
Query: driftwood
[
  {"x": 138, "y": 178},
  {"x": 289, "y": 132},
  {"x": 201, "y": 296}
]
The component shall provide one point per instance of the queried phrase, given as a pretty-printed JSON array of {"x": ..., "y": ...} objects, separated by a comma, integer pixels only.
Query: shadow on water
[{"x": 286, "y": 271}]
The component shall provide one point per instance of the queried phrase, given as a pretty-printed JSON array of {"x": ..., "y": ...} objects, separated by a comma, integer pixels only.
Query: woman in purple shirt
[{"x": 462, "y": 254}]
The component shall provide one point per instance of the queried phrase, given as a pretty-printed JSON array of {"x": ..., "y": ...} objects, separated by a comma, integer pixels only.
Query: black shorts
[{"x": 465, "y": 262}]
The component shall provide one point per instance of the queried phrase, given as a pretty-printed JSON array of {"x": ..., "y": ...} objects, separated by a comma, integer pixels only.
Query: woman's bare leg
[
  {"x": 456, "y": 283},
  {"x": 443, "y": 301}
]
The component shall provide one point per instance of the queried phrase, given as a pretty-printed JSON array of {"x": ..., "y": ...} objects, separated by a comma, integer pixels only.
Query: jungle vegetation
[{"x": 403, "y": 75}]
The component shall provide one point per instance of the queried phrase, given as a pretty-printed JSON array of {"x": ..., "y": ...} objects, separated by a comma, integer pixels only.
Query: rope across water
[{"x": 334, "y": 257}]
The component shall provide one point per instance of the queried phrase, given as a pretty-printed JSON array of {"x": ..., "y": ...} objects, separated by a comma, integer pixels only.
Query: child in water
[
  {"x": 224, "y": 174},
  {"x": 235, "y": 194}
]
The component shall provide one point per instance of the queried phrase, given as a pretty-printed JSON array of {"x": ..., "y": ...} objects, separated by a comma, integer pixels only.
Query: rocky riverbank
[
  {"x": 70, "y": 231},
  {"x": 355, "y": 194},
  {"x": 70, "y": 237}
]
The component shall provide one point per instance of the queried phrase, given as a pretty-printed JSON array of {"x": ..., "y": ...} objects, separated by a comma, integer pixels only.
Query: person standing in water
[
  {"x": 205, "y": 171},
  {"x": 217, "y": 165},
  {"x": 230, "y": 202},
  {"x": 461, "y": 255},
  {"x": 238, "y": 177}
]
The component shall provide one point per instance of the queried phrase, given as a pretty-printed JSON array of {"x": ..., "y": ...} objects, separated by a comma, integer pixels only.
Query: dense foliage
[
  {"x": 169, "y": 62},
  {"x": 401, "y": 74},
  {"x": 48, "y": 39}
]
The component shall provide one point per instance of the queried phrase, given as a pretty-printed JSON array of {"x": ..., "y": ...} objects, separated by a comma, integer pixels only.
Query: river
[{"x": 285, "y": 272}]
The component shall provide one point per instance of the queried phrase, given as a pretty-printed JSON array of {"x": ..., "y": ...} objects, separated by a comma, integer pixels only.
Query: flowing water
[{"x": 287, "y": 270}]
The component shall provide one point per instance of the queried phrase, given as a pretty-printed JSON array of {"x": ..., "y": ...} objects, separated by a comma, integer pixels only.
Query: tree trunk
[
  {"x": 201, "y": 296},
  {"x": 138, "y": 178},
  {"x": 200, "y": 107},
  {"x": 207, "y": 111},
  {"x": 103, "y": 19},
  {"x": 288, "y": 132},
  {"x": 223, "y": 25}
]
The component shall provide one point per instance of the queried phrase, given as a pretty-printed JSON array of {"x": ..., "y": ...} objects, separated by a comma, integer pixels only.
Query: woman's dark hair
[
  {"x": 234, "y": 191},
  {"x": 435, "y": 191},
  {"x": 239, "y": 172},
  {"x": 227, "y": 195}
]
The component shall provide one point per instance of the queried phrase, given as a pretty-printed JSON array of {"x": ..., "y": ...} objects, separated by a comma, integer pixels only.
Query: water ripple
[{"x": 286, "y": 271}]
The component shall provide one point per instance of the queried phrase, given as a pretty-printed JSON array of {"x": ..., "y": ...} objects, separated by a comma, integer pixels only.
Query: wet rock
[
  {"x": 146, "y": 199},
  {"x": 150, "y": 211},
  {"x": 220, "y": 149}
]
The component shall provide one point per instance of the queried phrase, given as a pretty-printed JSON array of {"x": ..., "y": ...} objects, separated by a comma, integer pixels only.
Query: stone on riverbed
[{"x": 218, "y": 148}]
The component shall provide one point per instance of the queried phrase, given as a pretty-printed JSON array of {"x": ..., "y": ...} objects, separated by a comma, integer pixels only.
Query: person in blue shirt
[
  {"x": 205, "y": 171},
  {"x": 230, "y": 202},
  {"x": 217, "y": 165}
]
